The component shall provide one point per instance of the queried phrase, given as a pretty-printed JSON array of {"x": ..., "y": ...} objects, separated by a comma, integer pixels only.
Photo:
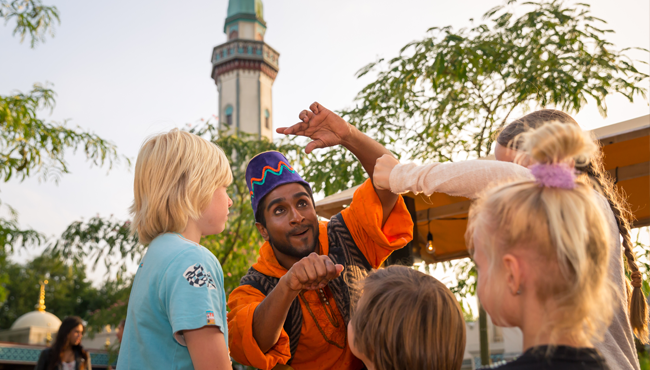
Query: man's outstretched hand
[{"x": 323, "y": 126}]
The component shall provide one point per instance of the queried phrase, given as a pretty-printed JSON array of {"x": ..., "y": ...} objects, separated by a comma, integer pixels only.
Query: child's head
[
  {"x": 405, "y": 319},
  {"x": 508, "y": 145},
  {"x": 545, "y": 241},
  {"x": 179, "y": 176}
]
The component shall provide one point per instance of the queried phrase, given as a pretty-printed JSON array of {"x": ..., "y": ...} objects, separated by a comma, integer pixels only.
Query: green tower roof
[{"x": 246, "y": 7}]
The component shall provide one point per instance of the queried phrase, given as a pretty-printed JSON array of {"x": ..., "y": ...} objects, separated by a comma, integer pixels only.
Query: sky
[{"x": 127, "y": 70}]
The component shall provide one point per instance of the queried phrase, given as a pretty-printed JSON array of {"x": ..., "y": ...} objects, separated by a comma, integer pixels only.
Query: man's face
[{"x": 291, "y": 221}]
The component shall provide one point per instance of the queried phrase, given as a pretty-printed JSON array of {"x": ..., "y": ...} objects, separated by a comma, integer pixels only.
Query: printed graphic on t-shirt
[
  {"x": 198, "y": 277},
  {"x": 210, "y": 317}
]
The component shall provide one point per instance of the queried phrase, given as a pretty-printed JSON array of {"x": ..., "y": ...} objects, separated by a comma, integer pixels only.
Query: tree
[
  {"x": 68, "y": 292},
  {"x": 444, "y": 97},
  {"x": 30, "y": 145},
  {"x": 32, "y": 18}
]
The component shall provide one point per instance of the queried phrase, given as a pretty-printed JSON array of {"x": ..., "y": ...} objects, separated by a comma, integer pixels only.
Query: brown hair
[
  {"x": 563, "y": 229},
  {"x": 509, "y": 137},
  {"x": 408, "y": 320}
]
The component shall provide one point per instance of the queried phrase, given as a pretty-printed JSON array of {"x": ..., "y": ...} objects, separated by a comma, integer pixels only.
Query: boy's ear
[{"x": 263, "y": 231}]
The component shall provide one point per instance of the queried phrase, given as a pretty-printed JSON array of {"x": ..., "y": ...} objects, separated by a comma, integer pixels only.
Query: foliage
[
  {"x": 30, "y": 144},
  {"x": 32, "y": 17},
  {"x": 68, "y": 292},
  {"x": 99, "y": 239},
  {"x": 444, "y": 97}
]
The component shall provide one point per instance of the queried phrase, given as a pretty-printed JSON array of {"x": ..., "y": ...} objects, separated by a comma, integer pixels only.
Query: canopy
[{"x": 626, "y": 146}]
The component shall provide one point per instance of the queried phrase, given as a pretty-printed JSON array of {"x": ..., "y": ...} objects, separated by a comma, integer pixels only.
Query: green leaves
[
  {"x": 444, "y": 97},
  {"x": 28, "y": 144},
  {"x": 31, "y": 17}
]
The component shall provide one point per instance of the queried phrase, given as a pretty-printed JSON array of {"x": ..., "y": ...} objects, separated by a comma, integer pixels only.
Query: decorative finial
[{"x": 41, "y": 301}]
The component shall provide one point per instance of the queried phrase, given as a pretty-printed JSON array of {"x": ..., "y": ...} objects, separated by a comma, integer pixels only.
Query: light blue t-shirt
[{"x": 178, "y": 286}]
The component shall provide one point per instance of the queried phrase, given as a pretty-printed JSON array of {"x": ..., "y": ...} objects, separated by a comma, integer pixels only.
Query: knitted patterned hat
[{"x": 266, "y": 171}]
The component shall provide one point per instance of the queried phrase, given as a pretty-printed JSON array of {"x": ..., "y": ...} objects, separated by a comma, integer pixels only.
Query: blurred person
[
  {"x": 176, "y": 317},
  {"x": 120, "y": 330},
  {"x": 66, "y": 353},
  {"x": 293, "y": 306},
  {"x": 407, "y": 320},
  {"x": 470, "y": 178}
]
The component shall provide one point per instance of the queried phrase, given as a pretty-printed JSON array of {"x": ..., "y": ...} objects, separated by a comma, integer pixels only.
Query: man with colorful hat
[{"x": 293, "y": 305}]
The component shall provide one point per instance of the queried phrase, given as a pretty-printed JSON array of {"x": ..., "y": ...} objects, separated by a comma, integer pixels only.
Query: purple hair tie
[{"x": 559, "y": 175}]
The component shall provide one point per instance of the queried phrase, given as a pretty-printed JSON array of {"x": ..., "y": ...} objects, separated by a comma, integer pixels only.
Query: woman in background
[{"x": 67, "y": 352}]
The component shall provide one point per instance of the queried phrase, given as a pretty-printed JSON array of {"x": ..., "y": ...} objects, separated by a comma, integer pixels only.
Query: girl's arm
[{"x": 465, "y": 179}]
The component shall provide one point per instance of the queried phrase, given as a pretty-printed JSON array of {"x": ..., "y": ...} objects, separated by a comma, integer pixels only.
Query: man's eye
[
  {"x": 302, "y": 203},
  {"x": 278, "y": 211}
]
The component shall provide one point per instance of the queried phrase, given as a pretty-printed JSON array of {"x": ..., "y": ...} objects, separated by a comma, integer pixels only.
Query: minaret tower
[{"x": 244, "y": 69}]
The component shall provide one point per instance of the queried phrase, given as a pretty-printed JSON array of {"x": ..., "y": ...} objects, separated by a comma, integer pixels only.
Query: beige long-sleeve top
[{"x": 470, "y": 178}]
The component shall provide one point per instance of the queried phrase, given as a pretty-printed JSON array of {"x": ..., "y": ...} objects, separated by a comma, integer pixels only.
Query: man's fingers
[
  {"x": 315, "y": 107},
  {"x": 304, "y": 116},
  {"x": 316, "y": 144}
]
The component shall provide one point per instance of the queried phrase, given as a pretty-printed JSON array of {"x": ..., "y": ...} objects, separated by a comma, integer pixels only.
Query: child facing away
[
  {"x": 541, "y": 252},
  {"x": 470, "y": 178},
  {"x": 406, "y": 320},
  {"x": 176, "y": 318}
]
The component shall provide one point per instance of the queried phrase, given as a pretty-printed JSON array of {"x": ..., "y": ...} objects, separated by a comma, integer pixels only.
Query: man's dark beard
[{"x": 288, "y": 249}]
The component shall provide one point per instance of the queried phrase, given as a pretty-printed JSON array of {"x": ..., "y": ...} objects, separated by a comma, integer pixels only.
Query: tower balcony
[{"x": 244, "y": 54}]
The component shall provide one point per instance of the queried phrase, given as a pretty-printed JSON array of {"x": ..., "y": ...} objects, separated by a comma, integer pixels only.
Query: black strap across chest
[{"x": 342, "y": 250}]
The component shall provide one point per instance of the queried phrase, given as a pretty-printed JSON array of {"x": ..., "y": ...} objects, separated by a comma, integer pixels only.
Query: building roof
[
  {"x": 37, "y": 319},
  {"x": 251, "y": 7}
]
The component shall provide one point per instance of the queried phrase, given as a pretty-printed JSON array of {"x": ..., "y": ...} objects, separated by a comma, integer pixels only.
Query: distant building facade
[{"x": 244, "y": 69}]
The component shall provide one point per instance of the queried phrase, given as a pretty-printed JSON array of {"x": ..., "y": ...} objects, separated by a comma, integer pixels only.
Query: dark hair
[
  {"x": 259, "y": 215},
  {"x": 602, "y": 182},
  {"x": 68, "y": 324}
]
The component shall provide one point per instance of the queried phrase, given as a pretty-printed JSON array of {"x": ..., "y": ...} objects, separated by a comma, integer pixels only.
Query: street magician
[{"x": 293, "y": 305}]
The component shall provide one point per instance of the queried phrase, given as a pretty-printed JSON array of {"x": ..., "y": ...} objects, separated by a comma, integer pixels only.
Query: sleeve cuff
[
  {"x": 396, "y": 180},
  {"x": 367, "y": 209},
  {"x": 280, "y": 353}
]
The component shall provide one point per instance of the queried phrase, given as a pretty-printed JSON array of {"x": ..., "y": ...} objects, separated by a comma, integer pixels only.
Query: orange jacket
[{"x": 363, "y": 218}]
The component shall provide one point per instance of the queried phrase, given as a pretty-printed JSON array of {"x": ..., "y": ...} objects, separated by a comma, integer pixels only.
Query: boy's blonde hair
[
  {"x": 564, "y": 229},
  {"x": 408, "y": 320},
  {"x": 176, "y": 175}
]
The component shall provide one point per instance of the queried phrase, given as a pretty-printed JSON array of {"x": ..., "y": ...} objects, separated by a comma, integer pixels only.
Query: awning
[{"x": 626, "y": 146}]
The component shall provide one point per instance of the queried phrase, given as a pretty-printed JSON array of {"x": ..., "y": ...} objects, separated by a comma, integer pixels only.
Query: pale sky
[{"x": 128, "y": 69}]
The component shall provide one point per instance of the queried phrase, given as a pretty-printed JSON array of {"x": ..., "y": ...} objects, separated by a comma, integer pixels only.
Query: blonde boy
[{"x": 176, "y": 317}]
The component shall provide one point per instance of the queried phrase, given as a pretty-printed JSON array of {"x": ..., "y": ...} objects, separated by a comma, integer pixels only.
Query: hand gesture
[
  {"x": 383, "y": 167},
  {"x": 321, "y": 125},
  {"x": 312, "y": 272}
]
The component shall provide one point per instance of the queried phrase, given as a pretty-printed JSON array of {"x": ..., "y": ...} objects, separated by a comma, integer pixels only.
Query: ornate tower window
[
  {"x": 267, "y": 119},
  {"x": 229, "y": 116},
  {"x": 233, "y": 35}
]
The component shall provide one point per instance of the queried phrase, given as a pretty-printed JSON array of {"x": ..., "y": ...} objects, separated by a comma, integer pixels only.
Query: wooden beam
[
  {"x": 449, "y": 210},
  {"x": 624, "y": 136},
  {"x": 630, "y": 172},
  {"x": 641, "y": 223}
]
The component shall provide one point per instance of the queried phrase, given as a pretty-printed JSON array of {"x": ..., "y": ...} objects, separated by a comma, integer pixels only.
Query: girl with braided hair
[
  {"x": 470, "y": 178},
  {"x": 541, "y": 251}
]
